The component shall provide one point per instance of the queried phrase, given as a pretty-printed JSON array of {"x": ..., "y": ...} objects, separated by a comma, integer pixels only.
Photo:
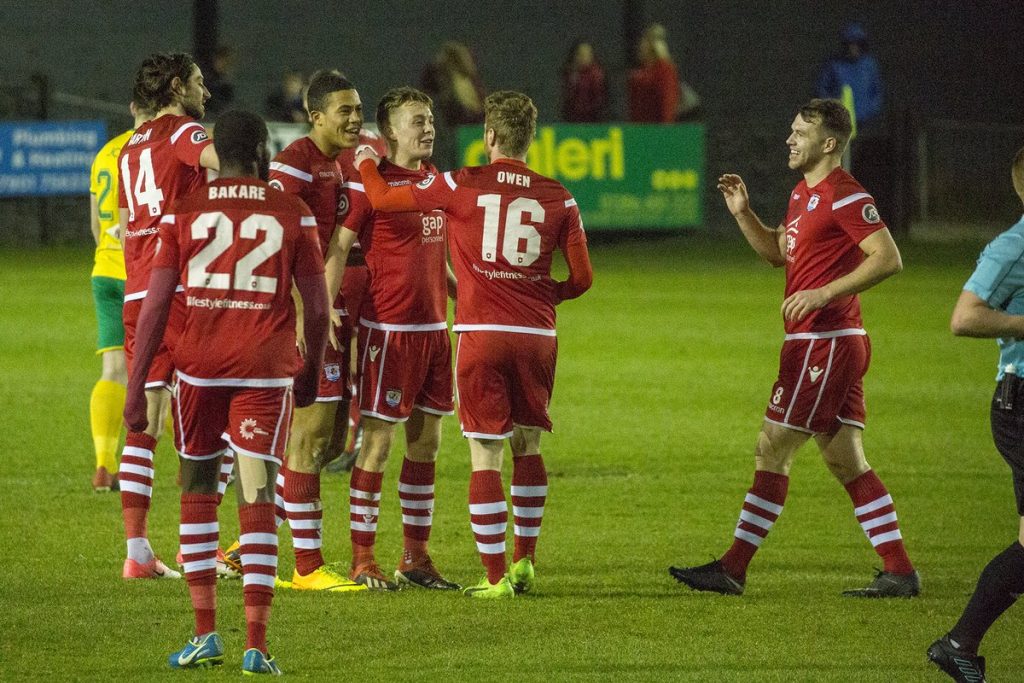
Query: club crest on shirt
[
  {"x": 332, "y": 371},
  {"x": 870, "y": 214},
  {"x": 393, "y": 397},
  {"x": 426, "y": 182},
  {"x": 199, "y": 136},
  {"x": 812, "y": 203}
]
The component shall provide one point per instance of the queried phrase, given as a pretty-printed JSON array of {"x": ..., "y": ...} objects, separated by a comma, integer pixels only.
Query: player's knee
[
  {"x": 306, "y": 451},
  {"x": 769, "y": 456},
  {"x": 525, "y": 441},
  {"x": 199, "y": 476},
  {"x": 845, "y": 466}
]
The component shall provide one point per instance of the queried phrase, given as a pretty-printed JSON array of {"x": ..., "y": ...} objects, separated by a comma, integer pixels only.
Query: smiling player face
[
  {"x": 341, "y": 119},
  {"x": 807, "y": 143},
  {"x": 412, "y": 129}
]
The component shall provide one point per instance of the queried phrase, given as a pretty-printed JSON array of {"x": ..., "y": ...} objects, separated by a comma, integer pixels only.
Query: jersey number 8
[
  {"x": 223, "y": 238},
  {"x": 521, "y": 245}
]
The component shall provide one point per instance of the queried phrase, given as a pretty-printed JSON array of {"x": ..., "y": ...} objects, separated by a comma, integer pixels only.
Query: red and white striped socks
[
  {"x": 876, "y": 514},
  {"x": 227, "y": 465},
  {"x": 199, "y": 534},
  {"x": 258, "y": 548},
  {"x": 416, "y": 493},
  {"x": 364, "y": 510},
  {"x": 280, "y": 515},
  {"x": 529, "y": 492},
  {"x": 305, "y": 518},
  {"x": 135, "y": 479},
  {"x": 488, "y": 516},
  {"x": 761, "y": 508}
]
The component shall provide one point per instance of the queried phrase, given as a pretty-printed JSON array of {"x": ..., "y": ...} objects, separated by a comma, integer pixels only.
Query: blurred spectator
[
  {"x": 856, "y": 68},
  {"x": 219, "y": 81},
  {"x": 285, "y": 103},
  {"x": 654, "y": 86},
  {"x": 454, "y": 83},
  {"x": 584, "y": 92}
]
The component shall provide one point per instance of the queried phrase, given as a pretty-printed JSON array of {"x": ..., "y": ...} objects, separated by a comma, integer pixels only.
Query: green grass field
[{"x": 664, "y": 371}]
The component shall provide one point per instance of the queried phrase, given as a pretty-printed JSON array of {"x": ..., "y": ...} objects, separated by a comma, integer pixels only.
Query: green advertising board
[{"x": 623, "y": 176}]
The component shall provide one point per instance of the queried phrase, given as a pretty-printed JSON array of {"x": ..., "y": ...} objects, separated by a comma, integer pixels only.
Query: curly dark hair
[{"x": 155, "y": 75}]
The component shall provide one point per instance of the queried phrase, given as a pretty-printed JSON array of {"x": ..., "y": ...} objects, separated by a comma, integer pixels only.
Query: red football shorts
[
  {"x": 252, "y": 421},
  {"x": 404, "y": 370},
  {"x": 504, "y": 379},
  {"x": 820, "y": 384},
  {"x": 161, "y": 371}
]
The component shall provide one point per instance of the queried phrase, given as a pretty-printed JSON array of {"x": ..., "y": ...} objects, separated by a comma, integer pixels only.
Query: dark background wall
[{"x": 751, "y": 61}]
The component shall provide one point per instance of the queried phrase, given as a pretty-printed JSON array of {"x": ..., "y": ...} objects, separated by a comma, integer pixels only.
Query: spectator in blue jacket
[{"x": 858, "y": 69}]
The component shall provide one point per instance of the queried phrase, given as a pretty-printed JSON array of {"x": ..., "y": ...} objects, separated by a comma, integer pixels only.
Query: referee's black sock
[{"x": 999, "y": 586}]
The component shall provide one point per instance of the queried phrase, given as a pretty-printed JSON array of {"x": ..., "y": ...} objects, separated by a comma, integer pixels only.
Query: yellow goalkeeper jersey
[{"x": 109, "y": 260}]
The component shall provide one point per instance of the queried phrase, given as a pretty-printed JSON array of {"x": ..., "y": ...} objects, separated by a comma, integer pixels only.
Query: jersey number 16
[{"x": 521, "y": 243}]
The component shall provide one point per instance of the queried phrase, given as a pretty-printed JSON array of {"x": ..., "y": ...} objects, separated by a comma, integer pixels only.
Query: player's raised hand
[
  {"x": 366, "y": 152},
  {"x": 799, "y": 305},
  {"x": 135, "y": 412},
  {"x": 332, "y": 335},
  {"x": 735, "y": 193}
]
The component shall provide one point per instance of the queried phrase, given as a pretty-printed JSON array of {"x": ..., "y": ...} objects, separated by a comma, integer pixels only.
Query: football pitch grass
[{"x": 665, "y": 367}]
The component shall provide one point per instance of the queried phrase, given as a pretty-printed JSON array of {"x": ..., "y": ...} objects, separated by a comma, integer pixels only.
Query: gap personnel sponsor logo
[
  {"x": 140, "y": 233},
  {"x": 206, "y": 302},
  {"x": 504, "y": 275},
  {"x": 237, "y": 192},
  {"x": 433, "y": 228}
]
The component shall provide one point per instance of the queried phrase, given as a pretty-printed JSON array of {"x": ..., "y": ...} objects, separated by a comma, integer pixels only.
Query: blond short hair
[
  {"x": 395, "y": 98},
  {"x": 513, "y": 117}
]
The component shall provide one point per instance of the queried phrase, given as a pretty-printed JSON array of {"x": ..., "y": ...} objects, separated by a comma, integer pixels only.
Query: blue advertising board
[{"x": 43, "y": 158}]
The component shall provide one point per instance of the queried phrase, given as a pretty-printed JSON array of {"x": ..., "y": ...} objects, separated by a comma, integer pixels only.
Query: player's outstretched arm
[
  {"x": 881, "y": 260},
  {"x": 973, "y": 317},
  {"x": 148, "y": 335},
  {"x": 313, "y": 291},
  {"x": 767, "y": 242},
  {"x": 334, "y": 275},
  {"x": 382, "y": 196}
]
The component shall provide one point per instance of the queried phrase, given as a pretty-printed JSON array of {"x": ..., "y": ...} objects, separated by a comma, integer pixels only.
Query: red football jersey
[
  {"x": 158, "y": 165},
  {"x": 824, "y": 226},
  {"x": 504, "y": 223},
  {"x": 303, "y": 170},
  {"x": 406, "y": 256},
  {"x": 238, "y": 244}
]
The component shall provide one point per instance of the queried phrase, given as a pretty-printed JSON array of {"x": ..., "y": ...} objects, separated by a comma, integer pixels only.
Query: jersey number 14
[
  {"x": 144, "y": 190},
  {"x": 521, "y": 243}
]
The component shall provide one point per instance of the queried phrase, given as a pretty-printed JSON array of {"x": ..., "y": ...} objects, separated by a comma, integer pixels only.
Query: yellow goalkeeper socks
[{"x": 105, "y": 413}]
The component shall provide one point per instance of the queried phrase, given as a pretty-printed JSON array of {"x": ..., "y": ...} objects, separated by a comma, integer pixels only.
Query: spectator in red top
[
  {"x": 654, "y": 85},
  {"x": 584, "y": 91}
]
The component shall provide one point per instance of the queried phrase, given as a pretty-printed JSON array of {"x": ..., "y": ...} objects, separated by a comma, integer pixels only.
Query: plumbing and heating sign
[{"x": 43, "y": 158}]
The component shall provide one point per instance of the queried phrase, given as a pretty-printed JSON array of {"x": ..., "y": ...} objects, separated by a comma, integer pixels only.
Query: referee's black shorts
[{"x": 1008, "y": 431}]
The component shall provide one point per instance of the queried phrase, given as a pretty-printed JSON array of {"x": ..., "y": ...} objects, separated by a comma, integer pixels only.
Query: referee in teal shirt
[{"x": 992, "y": 305}]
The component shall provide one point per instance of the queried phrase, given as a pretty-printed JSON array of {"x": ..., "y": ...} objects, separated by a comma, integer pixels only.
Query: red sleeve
[
  {"x": 189, "y": 141},
  {"x": 429, "y": 195},
  {"x": 573, "y": 243},
  {"x": 360, "y": 211},
  {"x": 122, "y": 200},
  {"x": 309, "y": 260},
  {"x": 289, "y": 174},
  {"x": 855, "y": 212},
  {"x": 168, "y": 253}
]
